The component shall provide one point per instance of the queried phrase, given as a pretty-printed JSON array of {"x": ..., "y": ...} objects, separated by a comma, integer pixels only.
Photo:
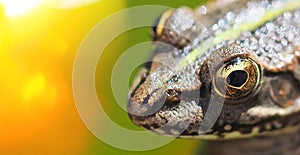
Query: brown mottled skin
[{"x": 258, "y": 110}]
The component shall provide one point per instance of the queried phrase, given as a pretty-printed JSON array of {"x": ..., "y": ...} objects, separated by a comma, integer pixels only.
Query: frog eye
[
  {"x": 159, "y": 24},
  {"x": 237, "y": 78}
]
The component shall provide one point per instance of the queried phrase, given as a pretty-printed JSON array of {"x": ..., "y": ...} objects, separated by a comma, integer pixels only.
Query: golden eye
[{"x": 237, "y": 78}]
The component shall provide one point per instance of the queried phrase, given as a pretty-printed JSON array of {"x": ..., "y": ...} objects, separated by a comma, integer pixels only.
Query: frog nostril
[{"x": 173, "y": 95}]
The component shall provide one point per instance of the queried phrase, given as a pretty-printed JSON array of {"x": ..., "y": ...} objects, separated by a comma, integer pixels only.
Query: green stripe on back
[{"x": 231, "y": 33}]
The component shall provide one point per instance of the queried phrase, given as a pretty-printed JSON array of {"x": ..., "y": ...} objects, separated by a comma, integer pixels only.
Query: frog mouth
[
  {"x": 269, "y": 127},
  {"x": 185, "y": 120}
]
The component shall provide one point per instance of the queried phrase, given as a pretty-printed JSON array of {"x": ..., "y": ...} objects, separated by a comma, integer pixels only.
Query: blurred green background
[{"x": 39, "y": 40}]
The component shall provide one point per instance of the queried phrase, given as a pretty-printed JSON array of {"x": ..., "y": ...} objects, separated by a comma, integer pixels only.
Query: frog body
[{"x": 227, "y": 72}]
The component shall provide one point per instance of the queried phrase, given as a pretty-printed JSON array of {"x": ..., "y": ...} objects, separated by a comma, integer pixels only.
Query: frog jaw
[{"x": 185, "y": 120}]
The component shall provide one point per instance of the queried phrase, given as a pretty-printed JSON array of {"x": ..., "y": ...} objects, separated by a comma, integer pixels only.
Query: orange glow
[
  {"x": 34, "y": 87},
  {"x": 37, "y": 47},
  {"x": 18, "y": 7}
]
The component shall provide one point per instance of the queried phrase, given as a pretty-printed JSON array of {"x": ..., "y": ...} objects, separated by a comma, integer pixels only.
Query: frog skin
[{"x": 227, "y": 73}]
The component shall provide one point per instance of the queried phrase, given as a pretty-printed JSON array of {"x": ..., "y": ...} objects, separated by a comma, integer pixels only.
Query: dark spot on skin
[
  {"x": 252, "y": 118},
  {"x": 237, "y": 78},
  {"x": 228, "y": 114},
  {"x": 174, "y": 79},
  {"x": 146, "y": 99},
  {"x": 194, "y": 133}
]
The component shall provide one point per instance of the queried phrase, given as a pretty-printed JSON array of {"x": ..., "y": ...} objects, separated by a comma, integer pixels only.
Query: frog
[{"x": 226, "y": 73}]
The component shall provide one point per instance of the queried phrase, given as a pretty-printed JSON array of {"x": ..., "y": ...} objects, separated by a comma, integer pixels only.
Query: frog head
[{"x": 226, "y": 93}]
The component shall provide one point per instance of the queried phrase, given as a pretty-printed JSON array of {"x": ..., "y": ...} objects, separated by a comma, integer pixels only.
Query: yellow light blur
[
  {"x": 67, "y": 4},
  {"x": 38, "y": 42},
  {"x": 18, "y": 7},
  {"x": 34, "y": 87}
]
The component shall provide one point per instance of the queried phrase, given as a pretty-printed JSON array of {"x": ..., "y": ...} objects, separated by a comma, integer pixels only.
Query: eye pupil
[{"x": 237, "y": 78}]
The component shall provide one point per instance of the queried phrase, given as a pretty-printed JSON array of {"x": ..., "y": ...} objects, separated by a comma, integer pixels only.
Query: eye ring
[{"x": 237, "y": 78}]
